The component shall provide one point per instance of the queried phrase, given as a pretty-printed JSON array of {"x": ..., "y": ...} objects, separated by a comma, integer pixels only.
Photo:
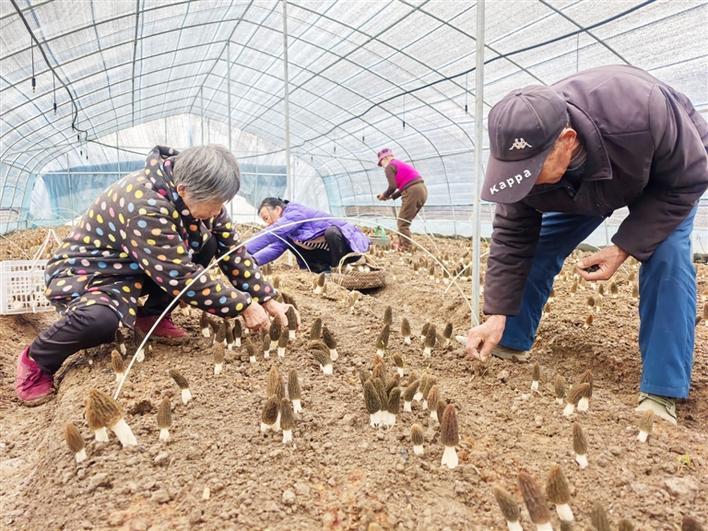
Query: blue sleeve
[{"x": 268, "y": 244}]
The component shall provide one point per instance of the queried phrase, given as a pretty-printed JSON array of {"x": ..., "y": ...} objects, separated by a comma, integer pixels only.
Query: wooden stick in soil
[
  {"x": 509, "y": 508},
  {"x": 164, "y": 419}
]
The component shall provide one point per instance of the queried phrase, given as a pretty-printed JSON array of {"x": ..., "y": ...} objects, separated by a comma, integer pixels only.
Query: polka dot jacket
[{"x": 140, "y": 227}]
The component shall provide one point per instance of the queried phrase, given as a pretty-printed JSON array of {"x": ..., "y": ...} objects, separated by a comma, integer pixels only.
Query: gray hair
[{"x": 209, "y": 172}]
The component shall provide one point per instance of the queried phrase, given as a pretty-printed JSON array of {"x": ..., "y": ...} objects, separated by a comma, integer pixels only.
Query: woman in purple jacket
[{"x": 318, "y": 240}]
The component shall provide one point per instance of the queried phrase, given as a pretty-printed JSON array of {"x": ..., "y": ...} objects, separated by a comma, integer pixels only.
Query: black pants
[
  {"x": 90, "y": 326},
  {"x": 321, "y": 260}
]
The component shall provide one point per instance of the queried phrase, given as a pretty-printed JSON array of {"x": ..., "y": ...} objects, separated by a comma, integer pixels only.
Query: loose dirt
[{"x": 219, "y": 472}]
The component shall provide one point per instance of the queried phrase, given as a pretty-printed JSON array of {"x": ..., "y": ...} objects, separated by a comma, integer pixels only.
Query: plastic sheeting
[{"x": 363, "y": 75}]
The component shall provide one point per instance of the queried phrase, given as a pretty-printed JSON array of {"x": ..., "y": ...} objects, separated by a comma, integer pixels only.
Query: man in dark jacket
[{"x": 562, "y": 159}]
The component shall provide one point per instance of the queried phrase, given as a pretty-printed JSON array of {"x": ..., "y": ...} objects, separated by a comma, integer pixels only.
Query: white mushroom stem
[
  {"x": 297, "y": 405},
  {"x": 287, "y": 436},
  {"x": 101, "y": 434},
  {"x": 375, "y": 419},
  {"x": 218, "y": 367},
  {"x": 565, "y": 513},
  {"x": 534, "y": 385},
  {"x": 122, "y": 349},
  {"x": 407, "y": 340},
  {"x": 252, "y": 359},
  {"x": 237, "y": 342},
  {"x": 643, "y": 436},
  {"x": 230, "y": 346},
  {"x": 327, "y": 369},
  {"x": 318, "y": 290},
  {"x": 568, "y": 410},
  {"x": 582, "y": 460},
  {"x": 273, "y": 345},
  {"x": 380, "y": 352},
  {"x": 418, "y": 396},
  {"x": 266, "y": 354},
  {"x": 276, "y": 426},
  {"x": 514, "y": 526},
  {"x": 418, "y": 449},
  {"x": 559, "y": 401},
  {"x": 281, "y": 352},
  {"x": 546, "y": 526},
  {"x": 291, "y": 335},
  {"x": 186, "y": 395},
  {"x": 424, "y": 404},
  {"x": 119, "y": 376},
  {"x": 265, "y": 428},
  {"x": 140, "y": 356},
  {"x": 584, "y": 404},
  {"x": 80, "y": 455},
  {"x": 399, "y": 370},
  {"x": 427, "y": 351},
  {"x": 434, "y": 415},
  {"x": 164, "y": 434},
  {"x": 205, "y": 332},
  {"x": 124, "y": 433},
  {"x": 333, "y": 354},
  {"x": 407, "y": 406},
  {"x": 462, "y": 340},
  {"x": 449, "y": 457}
]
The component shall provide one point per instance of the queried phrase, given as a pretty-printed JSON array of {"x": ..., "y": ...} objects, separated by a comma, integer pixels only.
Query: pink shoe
[
  {"x": 165, "y": 328},
  {"x": 32, "y": 385}
]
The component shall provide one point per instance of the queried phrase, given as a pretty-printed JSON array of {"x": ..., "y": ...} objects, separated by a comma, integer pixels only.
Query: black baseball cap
[{"x": 523, "y": 128}]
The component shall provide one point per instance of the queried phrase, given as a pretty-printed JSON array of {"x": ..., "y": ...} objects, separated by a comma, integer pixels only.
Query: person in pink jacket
[{"x": 403, "y": 181}]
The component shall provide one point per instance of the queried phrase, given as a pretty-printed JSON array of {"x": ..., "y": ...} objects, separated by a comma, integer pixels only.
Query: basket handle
[{"x": 51, "y": 235}]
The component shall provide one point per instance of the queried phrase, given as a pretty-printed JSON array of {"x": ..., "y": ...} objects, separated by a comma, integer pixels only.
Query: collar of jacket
[
  {"x": 163, "y": 155},
  {"x": 597, "y": 165}
]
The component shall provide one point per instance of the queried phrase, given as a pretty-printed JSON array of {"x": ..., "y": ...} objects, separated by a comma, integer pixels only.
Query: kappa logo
[
  {"x": 510, "y": 182},
  {"x": 519, "y": 143}
]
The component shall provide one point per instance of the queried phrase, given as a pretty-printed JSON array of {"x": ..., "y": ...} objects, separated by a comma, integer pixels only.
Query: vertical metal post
[
  {"x": 286, "y": 101},
  {"x": 228, "y": 87},
  {"x": 478, "y": 144},
  {"x": 201, "y": 112},
  {"x": 118, "y": 154}
]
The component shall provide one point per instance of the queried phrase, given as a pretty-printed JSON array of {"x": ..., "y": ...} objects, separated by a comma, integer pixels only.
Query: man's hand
[
  {"x": 607, "y": 260},
  {"x": 483, "y": 338},
  {"x": 256, "y": 318},
  {"x": 277, "y": 310}
]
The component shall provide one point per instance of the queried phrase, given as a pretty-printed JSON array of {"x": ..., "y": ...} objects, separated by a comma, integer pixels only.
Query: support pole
[
  {"x": 201, "y": 112},
  {"x": 478, "y": 144},
  {"x": 228, "y": 88},
  {"x": 286, "y": 102}
]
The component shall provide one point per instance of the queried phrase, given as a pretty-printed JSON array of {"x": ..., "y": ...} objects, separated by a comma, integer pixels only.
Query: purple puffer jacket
[{"x": 268, "y": 246}]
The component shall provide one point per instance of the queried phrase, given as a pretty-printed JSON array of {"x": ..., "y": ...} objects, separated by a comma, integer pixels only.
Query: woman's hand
[
  {"x": 381, "y": 197},
  {"x": 607, "y": 261},
  {"x": 483, "y": 338},
  {"x": 277, "y": 310},
  {"x": 256, "y": 318}
]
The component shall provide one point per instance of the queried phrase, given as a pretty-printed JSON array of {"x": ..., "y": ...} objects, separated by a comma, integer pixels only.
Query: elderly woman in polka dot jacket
[{"x": 150, "y": 233}]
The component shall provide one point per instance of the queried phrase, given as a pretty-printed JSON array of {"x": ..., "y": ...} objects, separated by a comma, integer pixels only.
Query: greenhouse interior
[{"x": 346, "y": 153}]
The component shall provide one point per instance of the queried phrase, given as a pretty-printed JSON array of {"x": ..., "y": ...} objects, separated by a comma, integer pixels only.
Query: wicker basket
[{"x": 360, "y": 274}]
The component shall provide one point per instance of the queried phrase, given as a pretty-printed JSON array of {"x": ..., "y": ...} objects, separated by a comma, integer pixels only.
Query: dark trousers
[
  {"x": 90, "y": 326},
  {"x": 321, "y": 260}
]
